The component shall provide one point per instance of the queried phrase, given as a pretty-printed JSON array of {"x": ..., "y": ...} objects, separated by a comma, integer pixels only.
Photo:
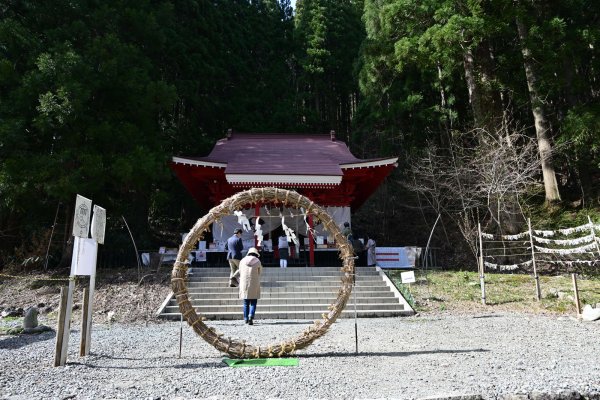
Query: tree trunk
[
  {"x": 474, "y": 98},
  {"x": 542, "y": 126}
]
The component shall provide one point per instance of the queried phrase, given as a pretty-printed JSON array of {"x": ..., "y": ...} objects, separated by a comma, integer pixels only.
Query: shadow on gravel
[
  {"x": 259, "y": 322},
  {"x": 210, "y": 364},
  {"x": 487, "y": 316},
  {"x": 392, "y": 353},
  {"x": 16, "y": 342}
]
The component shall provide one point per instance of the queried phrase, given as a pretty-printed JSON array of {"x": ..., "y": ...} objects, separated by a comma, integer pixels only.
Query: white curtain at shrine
[{"x": 271, "y": 219}]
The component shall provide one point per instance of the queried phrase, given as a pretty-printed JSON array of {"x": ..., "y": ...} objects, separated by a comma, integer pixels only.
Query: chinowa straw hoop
[{"x": 240, "y": 349}]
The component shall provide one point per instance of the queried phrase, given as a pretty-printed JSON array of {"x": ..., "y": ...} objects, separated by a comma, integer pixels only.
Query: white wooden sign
[
  {"x": 408, "y": 277},
  {"x": 99, "y": 224},
  {"x": 81, "y": 219},
  {"x": 85, "y": 252}
]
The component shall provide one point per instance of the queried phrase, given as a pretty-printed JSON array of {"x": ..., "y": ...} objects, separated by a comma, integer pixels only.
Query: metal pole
[
  {"x": 538, "y": 292},
  {"x": 355, "y": 312},
  {"x": 137, "y": 254},
  {"x": 51, "y": 235},
  {"x": 180, "y": 334}
]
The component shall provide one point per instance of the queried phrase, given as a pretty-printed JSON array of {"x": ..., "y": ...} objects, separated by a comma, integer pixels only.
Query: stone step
[
  {"x": 284, "y": 277},
  {"x": 287, "y": 301},
  {"x": 309, "y": 316},
  {"x": 281, "y": 271},
  {"x": 290, "y": 295},
  {"x": 289, "y": 283},
  {"x": 297, "y": 293},
  {"x": 316, "y": 307},
  {"x": 289, "y": 289}
]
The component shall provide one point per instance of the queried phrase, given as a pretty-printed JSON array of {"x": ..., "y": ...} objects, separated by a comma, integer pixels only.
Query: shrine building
[{"x": 318, "y": 166}]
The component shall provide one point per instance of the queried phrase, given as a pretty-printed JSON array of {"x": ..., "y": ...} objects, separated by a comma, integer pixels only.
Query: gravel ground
[{"x": 491, "y": 355}]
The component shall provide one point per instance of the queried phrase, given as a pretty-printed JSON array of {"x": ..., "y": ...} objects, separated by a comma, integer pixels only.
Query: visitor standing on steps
[
  {"x": 250, "y": 271},
  {"x": 284, "y": 250},
  {"x": 234, "y": 247},
  {"x": 371, "y": 256}
]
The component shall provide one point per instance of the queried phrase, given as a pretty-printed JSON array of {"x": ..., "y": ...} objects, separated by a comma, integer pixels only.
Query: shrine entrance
[{"x": 319, "y": 167}]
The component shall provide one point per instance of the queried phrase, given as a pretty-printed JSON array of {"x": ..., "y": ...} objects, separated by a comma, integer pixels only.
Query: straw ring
[{"x": 234, "y": 348}]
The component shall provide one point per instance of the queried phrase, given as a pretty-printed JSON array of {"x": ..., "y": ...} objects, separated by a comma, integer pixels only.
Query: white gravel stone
[{"x": 449, "y": 356}]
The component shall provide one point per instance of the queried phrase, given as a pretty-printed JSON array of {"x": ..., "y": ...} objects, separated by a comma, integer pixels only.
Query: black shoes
[{"x": 250, "y": 322}]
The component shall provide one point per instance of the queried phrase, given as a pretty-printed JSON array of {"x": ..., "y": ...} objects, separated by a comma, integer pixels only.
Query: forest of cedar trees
[{"x": 491, "y": 105}]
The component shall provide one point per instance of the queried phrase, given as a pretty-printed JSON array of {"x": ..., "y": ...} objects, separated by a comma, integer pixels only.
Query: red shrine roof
[{"x": 318, "y": 166}]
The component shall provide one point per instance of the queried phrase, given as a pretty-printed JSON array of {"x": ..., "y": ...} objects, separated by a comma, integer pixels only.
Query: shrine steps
[{"x": 291, "y": 293}]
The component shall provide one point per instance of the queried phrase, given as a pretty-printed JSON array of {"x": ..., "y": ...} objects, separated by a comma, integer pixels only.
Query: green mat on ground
[{"x": 262, "y": 362}]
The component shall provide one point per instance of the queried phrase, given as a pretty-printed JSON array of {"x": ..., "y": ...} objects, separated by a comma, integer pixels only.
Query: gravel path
[{"x": 492, "y": 356}]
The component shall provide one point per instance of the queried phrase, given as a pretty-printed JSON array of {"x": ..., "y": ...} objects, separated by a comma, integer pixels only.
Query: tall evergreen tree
[{"x": 329, "y": 34}]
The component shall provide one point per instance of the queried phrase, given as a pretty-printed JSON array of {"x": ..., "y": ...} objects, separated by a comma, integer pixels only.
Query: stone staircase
[{"x": 291, "y": 293}]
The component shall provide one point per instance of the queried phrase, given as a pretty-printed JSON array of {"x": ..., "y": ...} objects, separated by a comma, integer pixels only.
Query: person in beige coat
[{"x": 250, "y": 271}]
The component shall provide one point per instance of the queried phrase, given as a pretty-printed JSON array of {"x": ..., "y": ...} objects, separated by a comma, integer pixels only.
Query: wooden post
[
  {"x": 90, "y": 313},
  {"x": 86, "y": 318},
  {"x": 60, "y": 326},
  {"x": 576, "y": 291},
  {"x": 311, "y": 242},
  {"x": 66, "y": 329},
  {"x": 481, "y": 265},
  {"x": 538, "y": 291},
  {"x": 84, "y": 324},
  {"x": 180, "y": 334}
]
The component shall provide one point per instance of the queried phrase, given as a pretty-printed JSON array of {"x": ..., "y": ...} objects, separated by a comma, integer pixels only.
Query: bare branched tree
[{"x": 480, "y": 177}]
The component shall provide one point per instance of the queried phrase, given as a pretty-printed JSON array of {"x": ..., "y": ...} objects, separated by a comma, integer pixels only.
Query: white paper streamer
[
  {"x": 566, "y": 242},
  {"x": 504, "y": 267},
  {"x": 580, "y": 228},
  {"x": 243, "y": 220},
  {"x": 505, "y": 237},
  {"x": 582, "y": 249},
  {"x": 289, "y": 233},
  {"x": 545, "y": 233},
  {"x": 515, "y": 237},
  {"x": 570, "y": 263},
  {"x": 258, "y": 233}
]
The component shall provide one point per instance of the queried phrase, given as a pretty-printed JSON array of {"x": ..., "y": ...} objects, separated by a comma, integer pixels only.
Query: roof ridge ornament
[
  {"x": 229, "y": 133},
  {"x": 332, "y": 133}
]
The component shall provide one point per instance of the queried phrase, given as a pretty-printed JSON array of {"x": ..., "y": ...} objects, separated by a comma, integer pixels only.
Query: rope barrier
[{"x": 71, "y": 278}]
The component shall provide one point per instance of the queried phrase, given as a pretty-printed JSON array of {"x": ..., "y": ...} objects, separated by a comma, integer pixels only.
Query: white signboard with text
[
  {"x": 408, "y": 277},
  {"x": 85, "y": 252},
  {"x": 98, "y": 224},
  {"x": 81, "y": 219}
]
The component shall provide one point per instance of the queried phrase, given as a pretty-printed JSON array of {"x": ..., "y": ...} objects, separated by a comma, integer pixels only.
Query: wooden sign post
[
  {"x": 98, "y": 230},
  {"x": 83, "y": 262}
]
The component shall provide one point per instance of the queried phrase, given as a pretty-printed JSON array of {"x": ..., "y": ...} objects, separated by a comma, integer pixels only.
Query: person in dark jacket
[{"x": 234, "y": 249}]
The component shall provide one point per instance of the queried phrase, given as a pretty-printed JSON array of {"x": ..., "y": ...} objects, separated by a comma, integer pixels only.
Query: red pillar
[{"x": 311, "y": 242}]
